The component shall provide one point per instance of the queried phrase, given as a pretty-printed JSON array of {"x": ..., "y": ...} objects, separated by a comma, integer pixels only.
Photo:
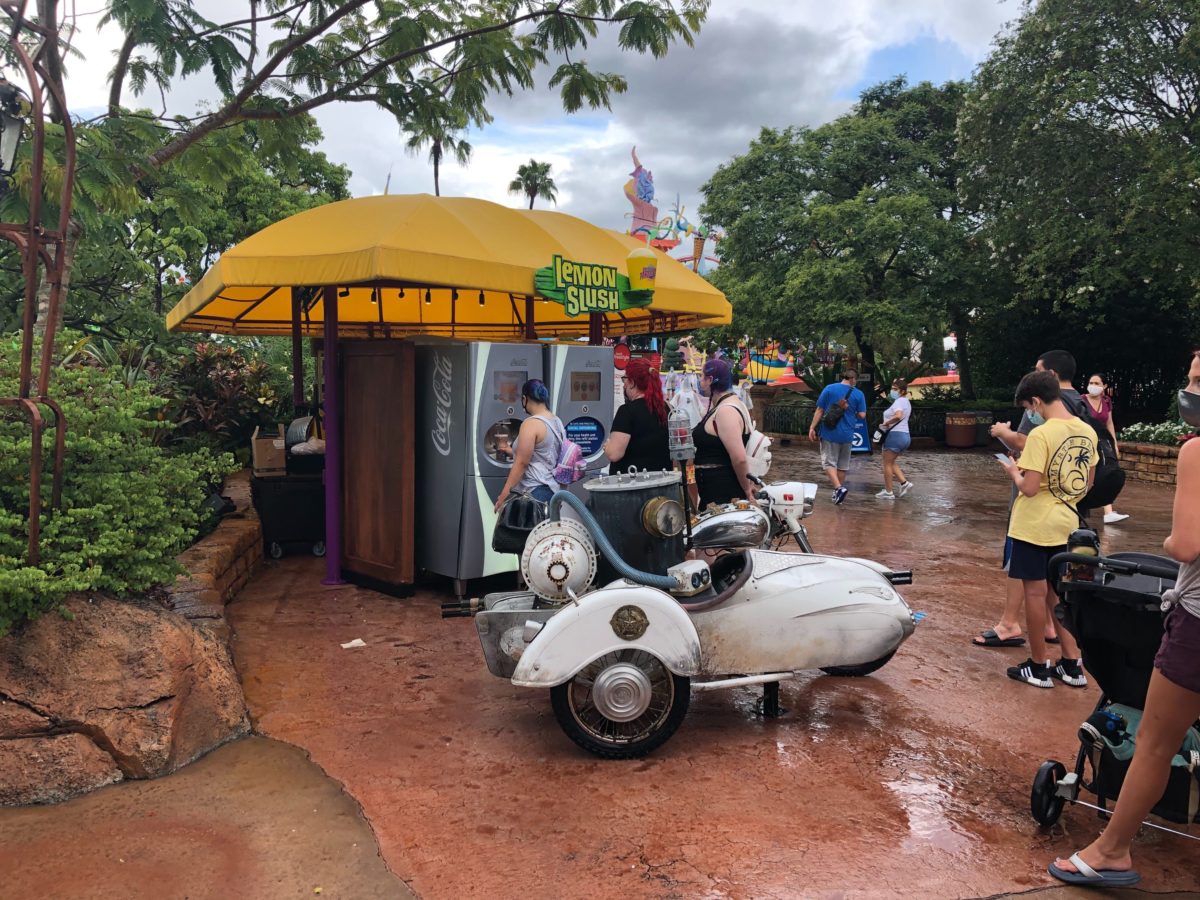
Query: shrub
[
  {"x": 1170, "y": 433},
  {"x": 128, "y": 507}
]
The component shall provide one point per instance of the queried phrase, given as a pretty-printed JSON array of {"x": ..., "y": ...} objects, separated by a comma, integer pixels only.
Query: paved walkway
[{"x": 913, "y": 782}]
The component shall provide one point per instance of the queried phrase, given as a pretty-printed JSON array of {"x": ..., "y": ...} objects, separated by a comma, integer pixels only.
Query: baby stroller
[{"x": 1112, "y": 605}]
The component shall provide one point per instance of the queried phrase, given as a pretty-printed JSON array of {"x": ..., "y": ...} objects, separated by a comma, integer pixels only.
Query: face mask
[
  {"x": 1095, "y": 390},
  {"x": 1189, "y": 408},
  {"x": 895, "y": 395},
  {"x": 1036, "y": 418}
]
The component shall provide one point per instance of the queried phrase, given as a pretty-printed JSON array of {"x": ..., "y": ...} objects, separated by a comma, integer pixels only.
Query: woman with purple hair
[{"x": 722, "y": 469}]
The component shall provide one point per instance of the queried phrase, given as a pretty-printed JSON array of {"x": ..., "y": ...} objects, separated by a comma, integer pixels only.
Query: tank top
[
  {"x": 1187, "y": 588},
  {"x": 540, "y": 470},
  {"x": 710, "y": 451}
]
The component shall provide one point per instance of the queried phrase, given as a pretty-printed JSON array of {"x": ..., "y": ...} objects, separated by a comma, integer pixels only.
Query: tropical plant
[
  {"x": 438, "y": 129},
  {"x": 128, "y": 507},
  {"x": 534, "y": 181},
  {"x": 818, "y": 376}
]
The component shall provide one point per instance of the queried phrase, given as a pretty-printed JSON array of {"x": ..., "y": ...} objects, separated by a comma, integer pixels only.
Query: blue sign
[
  {"x": 861, "y": 442},
  {"x": 588, "y": 433}
]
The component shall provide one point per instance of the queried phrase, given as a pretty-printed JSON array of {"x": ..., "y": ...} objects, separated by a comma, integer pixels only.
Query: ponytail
[{"x": 645, "y": 379}]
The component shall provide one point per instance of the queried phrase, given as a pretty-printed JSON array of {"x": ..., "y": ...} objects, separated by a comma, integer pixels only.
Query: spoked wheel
[
  {"x": 1044, "y": 802},
  {"x": 858, "y": 671},
  {"x": 621, "y": 706}
]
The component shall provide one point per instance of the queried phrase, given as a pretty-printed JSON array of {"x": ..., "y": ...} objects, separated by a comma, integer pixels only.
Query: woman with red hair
[{"x": 639, "y": 429}]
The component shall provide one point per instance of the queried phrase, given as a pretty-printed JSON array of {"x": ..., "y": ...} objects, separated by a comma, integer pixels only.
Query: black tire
[
  {"x": 860, "y": 670},
  {"x": 318, "y": 549},
  {"x": 610, "y": 739},
  {"x": 1044, "y": 803},
  {"x": 275, "y": 550}
]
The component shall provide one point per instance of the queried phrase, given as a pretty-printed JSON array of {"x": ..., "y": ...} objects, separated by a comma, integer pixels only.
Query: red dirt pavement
[{"x": 912, "y": 782}]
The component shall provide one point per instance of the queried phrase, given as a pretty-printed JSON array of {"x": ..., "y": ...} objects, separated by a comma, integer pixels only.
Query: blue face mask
[
  {"x": 895, "y": 395},
  {"x": 1036, "y": 418}
]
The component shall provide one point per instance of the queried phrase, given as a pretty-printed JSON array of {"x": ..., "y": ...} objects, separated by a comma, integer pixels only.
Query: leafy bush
[
  {"x": 128, "y": 507},
  {"x": 219, "y": 395},
  {"x": 1170, "y": 433}
]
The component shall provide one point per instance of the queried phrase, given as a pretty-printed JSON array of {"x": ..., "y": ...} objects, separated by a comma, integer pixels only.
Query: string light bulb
[
  {"x": 481, "y": 298},
  {"x": 375, "y": 295},
  {"x": 428, "y": 298}
]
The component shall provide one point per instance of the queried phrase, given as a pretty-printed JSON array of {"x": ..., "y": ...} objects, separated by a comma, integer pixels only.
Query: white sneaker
[
  {"x": 885, "y": 495},
  {"x": 904, "y": 489},
  {"x": 1112, "y": 517}
]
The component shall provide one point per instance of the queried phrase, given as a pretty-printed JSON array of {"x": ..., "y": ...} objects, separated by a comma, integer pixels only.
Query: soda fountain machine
[
  {"x": 468, "y": 415},
  {"x": 580, "y": 380}
]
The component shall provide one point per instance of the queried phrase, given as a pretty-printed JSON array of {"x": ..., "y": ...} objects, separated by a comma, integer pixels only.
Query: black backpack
[{"x": 1110, "y": 479}]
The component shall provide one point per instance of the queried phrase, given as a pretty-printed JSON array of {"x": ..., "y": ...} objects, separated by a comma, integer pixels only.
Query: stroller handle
[{"x": 1123, "y": 566}]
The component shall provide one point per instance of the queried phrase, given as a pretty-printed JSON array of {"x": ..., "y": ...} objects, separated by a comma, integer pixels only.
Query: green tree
[
  {"x": 852, "y": 227},
  {"x": 1079, "y": 141},
  {"x": 438, "y": 129},
  {"x": 534, "y": 181}
]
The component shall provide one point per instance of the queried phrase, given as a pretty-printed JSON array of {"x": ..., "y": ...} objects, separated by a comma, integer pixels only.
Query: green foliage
[
  {"x": 1169, "y": 433},
  {"x": 534, "y": 181},
  {"x": 672, "y": 356},
  {"x": 1079, "y": 139},
  {"x": 127, "y": 506},
  {"x": 219, "y": 394},
  {"x": 819, "y": 377}
]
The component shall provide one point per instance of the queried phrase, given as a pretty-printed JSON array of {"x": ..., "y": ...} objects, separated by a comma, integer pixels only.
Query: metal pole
[
  {"x": 297, "y": 354},
  {"x": 333, "y": 444}
]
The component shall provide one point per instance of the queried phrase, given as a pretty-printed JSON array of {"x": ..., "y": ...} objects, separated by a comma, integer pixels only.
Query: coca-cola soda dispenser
[
  {"x": 581, "y": 386},
  {"x": 468, "y": 415}
]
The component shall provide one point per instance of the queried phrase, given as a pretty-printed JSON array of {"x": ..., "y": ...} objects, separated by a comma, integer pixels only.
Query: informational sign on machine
[
  {"x": 588, "y": 433},
  {"x": 584, "y": 288}
]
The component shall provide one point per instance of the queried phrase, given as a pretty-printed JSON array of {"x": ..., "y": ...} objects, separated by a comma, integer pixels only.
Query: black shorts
[{"x": 1028, "y": 562}]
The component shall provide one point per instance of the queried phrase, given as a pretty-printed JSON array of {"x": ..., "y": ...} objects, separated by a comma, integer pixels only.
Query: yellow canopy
[{"x": 399, "y": 261}]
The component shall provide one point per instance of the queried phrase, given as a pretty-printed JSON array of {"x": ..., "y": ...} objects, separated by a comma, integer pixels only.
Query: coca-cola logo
[{"x": 443, "y": 378}]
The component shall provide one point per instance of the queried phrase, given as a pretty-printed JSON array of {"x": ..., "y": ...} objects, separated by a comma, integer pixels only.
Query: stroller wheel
[{"x": 1044, "y": 802}]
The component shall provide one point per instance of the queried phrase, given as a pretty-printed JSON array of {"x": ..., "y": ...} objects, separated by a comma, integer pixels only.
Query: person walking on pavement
[
  {"x": 1173, "y": 701},
  {"x": 896, "y": 441},
  {"x": 837, "y": 409},
  {"x": 1099, "y": 407}
]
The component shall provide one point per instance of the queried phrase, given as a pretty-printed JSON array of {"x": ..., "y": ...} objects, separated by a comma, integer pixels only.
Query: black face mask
[{"x": 1189, "y": 408}]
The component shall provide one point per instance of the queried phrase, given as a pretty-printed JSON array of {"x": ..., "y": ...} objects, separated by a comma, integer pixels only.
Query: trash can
[
  {"x": 983, "y": 426},
  {"x": 292, "y": 512},
  {"x": 960, "y": 429}
]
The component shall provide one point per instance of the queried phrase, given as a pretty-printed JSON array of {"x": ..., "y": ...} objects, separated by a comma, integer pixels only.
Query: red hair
[{"x": 645, "y": 379}]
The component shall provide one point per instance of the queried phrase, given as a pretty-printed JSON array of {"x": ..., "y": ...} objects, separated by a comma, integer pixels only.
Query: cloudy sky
[{"x": 756, "y": 63}]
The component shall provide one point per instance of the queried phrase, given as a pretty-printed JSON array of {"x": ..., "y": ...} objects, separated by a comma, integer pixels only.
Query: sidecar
[{"x": 621, "y": 660}]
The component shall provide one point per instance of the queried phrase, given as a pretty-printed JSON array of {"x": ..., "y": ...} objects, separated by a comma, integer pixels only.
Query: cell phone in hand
[{"x": 1004, "y": 458}]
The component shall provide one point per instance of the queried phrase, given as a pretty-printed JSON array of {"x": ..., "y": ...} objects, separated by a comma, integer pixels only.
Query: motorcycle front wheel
[{"x": 621, "y": 706}]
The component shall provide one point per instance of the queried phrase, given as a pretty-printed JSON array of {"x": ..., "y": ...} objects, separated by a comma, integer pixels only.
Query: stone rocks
[
  {"x": 1149, "y": 462},
  {"x": 114, "y": 690}
]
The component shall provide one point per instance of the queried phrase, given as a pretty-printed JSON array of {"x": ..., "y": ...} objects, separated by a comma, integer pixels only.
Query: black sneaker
[
  {"x": 1069, "y": 671},
  {"x": 1030, "y": 672},
  {"x": 840, "y": 494}
]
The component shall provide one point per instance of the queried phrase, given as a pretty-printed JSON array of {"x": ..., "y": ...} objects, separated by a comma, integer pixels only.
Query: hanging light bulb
[
  {"x": 401, "y": 293},
  {"x": 454, "y": 295},
  {"x": 375, "y": 295},
  {"x": 481, "y": 298},
  {"x": 428, "y": 298}
]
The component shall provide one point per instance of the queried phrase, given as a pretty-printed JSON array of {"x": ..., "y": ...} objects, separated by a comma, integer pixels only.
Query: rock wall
[
  {"x": 1149, "y": 462},
  {"x": 116, "y": 689}
]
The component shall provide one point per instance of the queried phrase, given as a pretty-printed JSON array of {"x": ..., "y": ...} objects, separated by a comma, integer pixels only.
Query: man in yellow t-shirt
[{"x": 1055, "y": 471}]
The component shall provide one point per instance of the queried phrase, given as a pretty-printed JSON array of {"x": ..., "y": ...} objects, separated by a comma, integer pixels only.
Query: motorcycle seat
[{"x": 729, "y": 575}]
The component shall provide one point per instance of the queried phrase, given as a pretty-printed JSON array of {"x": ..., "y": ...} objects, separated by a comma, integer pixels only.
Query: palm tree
[
  {"x": 439, "y": 130},
  {"x": 534, "y": 181}
]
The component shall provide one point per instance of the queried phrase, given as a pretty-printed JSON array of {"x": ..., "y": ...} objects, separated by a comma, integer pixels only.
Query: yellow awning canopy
[{"x": 418, "y": 264}]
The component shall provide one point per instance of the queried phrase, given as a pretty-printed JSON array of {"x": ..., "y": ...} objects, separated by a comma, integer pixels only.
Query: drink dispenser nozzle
[{"x": 679, "y": 435}]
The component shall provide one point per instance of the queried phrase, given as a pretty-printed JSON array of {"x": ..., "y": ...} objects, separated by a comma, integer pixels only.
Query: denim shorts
[
  {"x": 897, "y": 441},
  {"x": 1028, "y": 562},
  {"x": 1178, "y": 655}
]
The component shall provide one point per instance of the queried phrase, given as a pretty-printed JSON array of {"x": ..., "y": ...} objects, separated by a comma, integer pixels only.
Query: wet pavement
[
  {"x": 251, "y": 819},
  {"x": 912, "y": 782}
]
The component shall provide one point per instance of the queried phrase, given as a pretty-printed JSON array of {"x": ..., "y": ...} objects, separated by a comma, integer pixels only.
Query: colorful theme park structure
[{"x": 668, "y": 232}]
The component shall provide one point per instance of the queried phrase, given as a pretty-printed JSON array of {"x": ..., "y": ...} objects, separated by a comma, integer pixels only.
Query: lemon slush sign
[{"x": 592, "y": 288}]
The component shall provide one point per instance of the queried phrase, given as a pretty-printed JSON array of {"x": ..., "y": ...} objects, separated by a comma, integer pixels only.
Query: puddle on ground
[{"x": 928, "y": 807}]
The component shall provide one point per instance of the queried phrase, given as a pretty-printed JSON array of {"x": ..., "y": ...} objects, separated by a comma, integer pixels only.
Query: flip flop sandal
[
  {"x": 1052, "y": 640},
  {"x": 991, "y": 639},
  {"x": 1089, "y": 877}
]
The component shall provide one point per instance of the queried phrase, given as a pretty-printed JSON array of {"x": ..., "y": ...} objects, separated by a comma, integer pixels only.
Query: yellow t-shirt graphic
[{"x": 1064, "y": 451}]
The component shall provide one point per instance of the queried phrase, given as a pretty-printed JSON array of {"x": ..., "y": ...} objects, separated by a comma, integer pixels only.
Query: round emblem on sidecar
[{"x": 629, "y": 623}]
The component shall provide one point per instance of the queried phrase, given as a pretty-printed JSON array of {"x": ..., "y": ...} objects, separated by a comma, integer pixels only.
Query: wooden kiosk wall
[{"x": 379, "y": 451}]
